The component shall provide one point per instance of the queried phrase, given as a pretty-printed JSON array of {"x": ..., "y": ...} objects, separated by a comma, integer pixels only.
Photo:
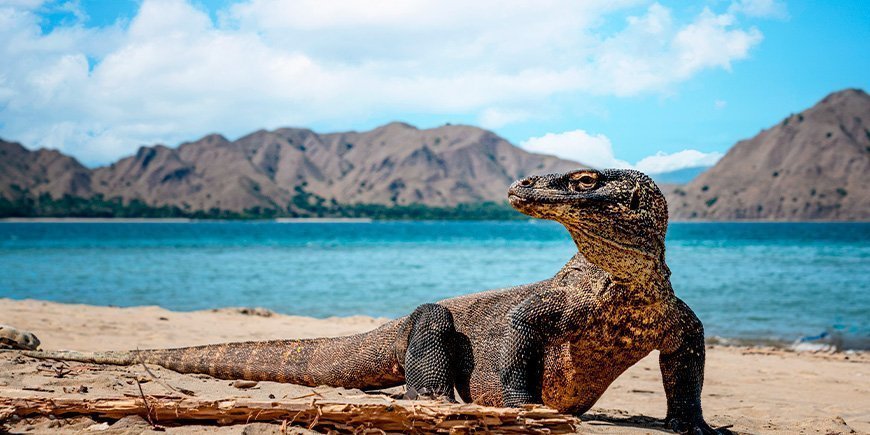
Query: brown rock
[{"x": 241, "y": 383}]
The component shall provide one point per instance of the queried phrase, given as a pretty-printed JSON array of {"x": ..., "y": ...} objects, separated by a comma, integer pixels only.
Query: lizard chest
[{"x": 577, "y": 372}]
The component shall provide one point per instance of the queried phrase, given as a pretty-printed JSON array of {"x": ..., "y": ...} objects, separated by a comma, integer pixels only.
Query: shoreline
[
  {"x": 756, "y": 389},
  {"x": 370, "y": 220},
  {"x": 832, "y": 344},
  {"x": 65, "y": 220},
  {"x": 51, "y": 220}
]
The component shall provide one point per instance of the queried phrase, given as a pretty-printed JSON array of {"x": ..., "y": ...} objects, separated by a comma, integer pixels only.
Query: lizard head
[{"x": 617, "y": 217}]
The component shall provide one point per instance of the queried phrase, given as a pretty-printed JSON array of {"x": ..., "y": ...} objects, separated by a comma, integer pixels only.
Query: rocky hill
[
  {"x": 40, "y": 172},
  {"x": 811, "y": 166},
  {"x": 814, "y": 165},
  {"x": 396, "y": 164}
]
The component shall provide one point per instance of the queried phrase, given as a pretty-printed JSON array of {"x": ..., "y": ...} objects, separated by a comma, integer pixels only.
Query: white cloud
[
  {"x": 578, "y": 145},
  {"x": 653, "y": 51},
  {"x": 720, "y": 104},
  {"x": 760, "y": 8},
  {"x": 708, "y": 43},
  {"x": 173, "y": 73},
  {"x": 495, "y": 117},
  {"x": 661, "y": 162},
  {"x": 596, "y": 150},
  {"x": 27, "y": 4}
]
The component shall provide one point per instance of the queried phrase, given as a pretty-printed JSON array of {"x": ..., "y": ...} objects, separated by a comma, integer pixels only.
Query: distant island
[
  {"x": 392, "y": 172},
  {"x": 812, "y": 166}
]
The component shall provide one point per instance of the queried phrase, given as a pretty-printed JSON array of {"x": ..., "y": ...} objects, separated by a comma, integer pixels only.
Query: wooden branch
[{"x": 393, "y": 416}]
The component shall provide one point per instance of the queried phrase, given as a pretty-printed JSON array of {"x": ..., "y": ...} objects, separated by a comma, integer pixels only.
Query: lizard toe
[
  {"x": 428, "y": 394},
  {"x": 694, "y": 427}
]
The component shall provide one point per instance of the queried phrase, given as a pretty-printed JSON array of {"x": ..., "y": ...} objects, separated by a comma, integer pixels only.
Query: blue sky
[{"x": 609, "y": 83}]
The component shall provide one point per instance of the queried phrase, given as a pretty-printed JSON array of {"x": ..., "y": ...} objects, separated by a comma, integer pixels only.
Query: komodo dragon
[{"x": 560, "y": 342}]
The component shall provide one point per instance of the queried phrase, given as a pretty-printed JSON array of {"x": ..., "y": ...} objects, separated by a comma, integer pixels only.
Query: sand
[{"x": 752, "y": 390}]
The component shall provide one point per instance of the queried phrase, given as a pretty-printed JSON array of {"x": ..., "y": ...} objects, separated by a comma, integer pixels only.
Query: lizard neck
[{"x": 639, "y": 274}]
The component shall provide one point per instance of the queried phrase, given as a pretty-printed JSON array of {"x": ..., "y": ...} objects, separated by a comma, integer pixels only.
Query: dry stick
[
  {"x": 254, "y": 416},
  {"x": 293, "y": 420},
  {"x": 147, "y": 408},
  {"x": 315, "y": 393},
  {"x": 317, "y": 417},
  {"x": 431, "y": 417},
  {"x": 59, "y": 370},
  {"x": 40, "y": 389}
]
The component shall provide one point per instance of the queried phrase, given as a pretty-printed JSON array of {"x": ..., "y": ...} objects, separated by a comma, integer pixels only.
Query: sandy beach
[{"x": 752, "y": 390}]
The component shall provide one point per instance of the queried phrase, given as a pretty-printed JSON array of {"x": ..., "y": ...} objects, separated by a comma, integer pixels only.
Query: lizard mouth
[
  {"x": 514, "y": 198},
  {"x": 522, "y": 195}
]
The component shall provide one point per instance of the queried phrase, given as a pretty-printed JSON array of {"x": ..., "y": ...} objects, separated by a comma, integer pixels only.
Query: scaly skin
[{"x": 560, "y": 342}]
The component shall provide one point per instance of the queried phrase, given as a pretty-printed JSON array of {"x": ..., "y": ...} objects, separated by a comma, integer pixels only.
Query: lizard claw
[
  {"x": 11, "y": 338},
  {"x": 696, "y": 426},
  {"x": 427, "y": 394}
]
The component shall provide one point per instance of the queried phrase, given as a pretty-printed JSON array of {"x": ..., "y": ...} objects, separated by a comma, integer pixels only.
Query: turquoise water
[{"x": 745, "y": 280}]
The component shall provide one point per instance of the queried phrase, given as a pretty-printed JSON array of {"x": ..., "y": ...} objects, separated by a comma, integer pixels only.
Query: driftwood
[{"x": 389, "y": 416}]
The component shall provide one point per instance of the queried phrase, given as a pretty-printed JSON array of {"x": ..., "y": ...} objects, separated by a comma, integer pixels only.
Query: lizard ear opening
[{"x": 635, "y": 199}]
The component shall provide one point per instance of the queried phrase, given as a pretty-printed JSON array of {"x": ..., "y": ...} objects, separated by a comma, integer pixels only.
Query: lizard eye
[{"x": 584, "y": 181}]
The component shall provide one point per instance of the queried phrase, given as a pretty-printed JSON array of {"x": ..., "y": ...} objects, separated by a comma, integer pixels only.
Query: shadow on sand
[{"x": 636, "y": 421}]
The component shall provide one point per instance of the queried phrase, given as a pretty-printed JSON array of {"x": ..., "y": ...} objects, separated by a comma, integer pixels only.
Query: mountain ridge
[
  {"x": 392, "y": 165},
  {"x": 813, "y": 165}
]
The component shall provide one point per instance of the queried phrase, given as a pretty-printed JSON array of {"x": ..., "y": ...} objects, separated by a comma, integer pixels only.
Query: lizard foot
[
  {"x": 11, "y": 338},
  {"x": 696, "y": 426},
  {"x": 428, "y": 394},
  {"x": 517, "y": 399}
]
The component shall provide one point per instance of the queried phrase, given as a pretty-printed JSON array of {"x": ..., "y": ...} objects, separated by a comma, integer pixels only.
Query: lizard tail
[
  {"x": 368, "y": 360},
  {"x": 123, "y": 358}
]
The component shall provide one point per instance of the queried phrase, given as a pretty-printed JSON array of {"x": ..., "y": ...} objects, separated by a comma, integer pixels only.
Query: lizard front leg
[
  {"x": 531, "y": 325},
  {"x": 430, "y": 353},
  {"x": 682, "y": 366}
]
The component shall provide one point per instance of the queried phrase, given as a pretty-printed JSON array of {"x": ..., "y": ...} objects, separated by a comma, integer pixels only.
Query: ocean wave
[{"x": 831, "y": 340}]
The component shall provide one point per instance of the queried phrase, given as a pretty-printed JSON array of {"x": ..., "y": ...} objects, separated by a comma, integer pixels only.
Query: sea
[{"x": 786, "y": 283}]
